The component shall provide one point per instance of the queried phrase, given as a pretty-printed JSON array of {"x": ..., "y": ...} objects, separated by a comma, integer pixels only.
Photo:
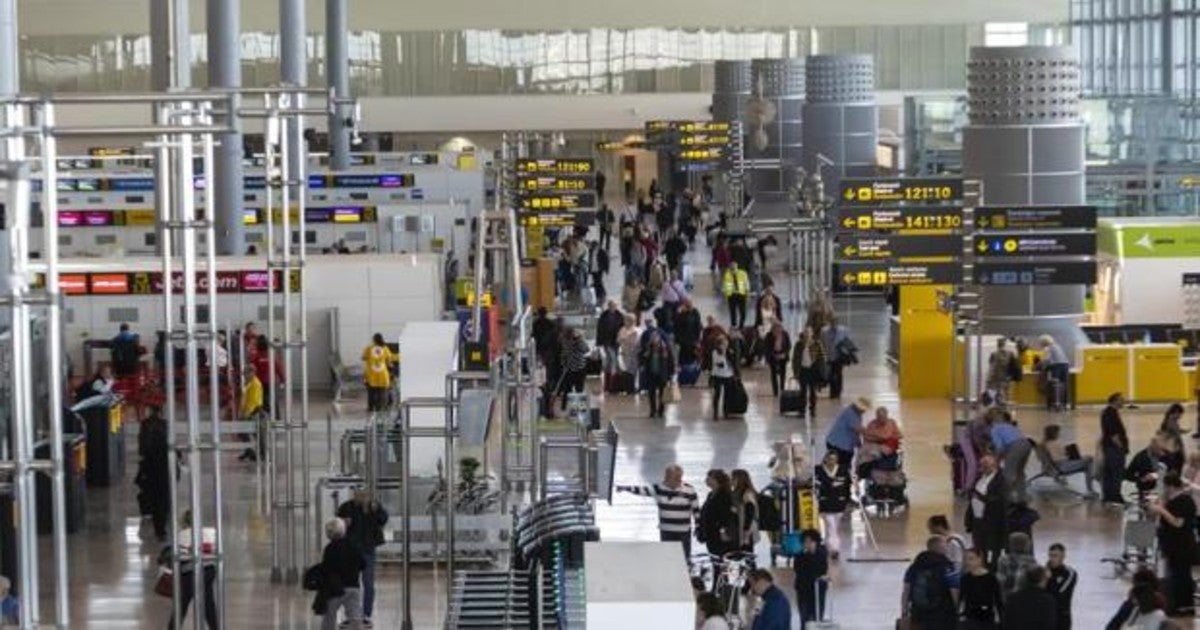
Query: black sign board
[
  {"x": 1001, "y": 218},
  {"x": 909, "y": 218},
  {"x": 558, "y": 201},
  {"x": 882, "y": 191},
  {"x": 1191, "y": 279},
  {"x": 1038, "y": 244},
  {"x": 1034, "y": 273},
  {"x": 893, "y": 246},
  {"x": 558, "y": 218},
  {"x": 556, "y": 182},
  {"x": 573, "y": 166},
  {"x": 883, "y": 273}
]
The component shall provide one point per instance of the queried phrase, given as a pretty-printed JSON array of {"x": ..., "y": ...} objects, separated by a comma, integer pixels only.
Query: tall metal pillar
[
  {"x": 10, "y": 84},
  {"x": 337, "y": 71},
  {"x": 293, "y": 65},
  {"x": 170, "y": 45},
  {"x": 1025, "y": 143},
  {"x": 841, "y": 117},
  {"x": 225, "y": 71}
]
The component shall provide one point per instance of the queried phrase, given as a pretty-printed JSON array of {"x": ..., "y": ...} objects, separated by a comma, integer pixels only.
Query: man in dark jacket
[
  {"x": 1031, "y": 608},
  {"x": 365, "y": 518},
  {"x": 543, "y": 331},
  {"x": 674, "y": 249},
  {"x": 687, "y": 332},
  {"x": 811, "y": 569},
  {"x": 931, "y": 588},
  {"x": 154, "y": 469},
  {"x": 341, "y": 564},
  {"x": 776, "y": 612},
  {"x": 987, "y": 510},
  {"x": 607, "y": 326}
]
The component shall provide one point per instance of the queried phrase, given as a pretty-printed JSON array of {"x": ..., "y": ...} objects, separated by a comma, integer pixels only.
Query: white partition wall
[
  {"x": 428, "y": 351},
  {"x": 638, "y": 585}
]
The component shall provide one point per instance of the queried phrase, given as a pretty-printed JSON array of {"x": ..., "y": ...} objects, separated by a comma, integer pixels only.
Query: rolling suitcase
[
  {"x": 790, "y": 400},
  {"x": 736, "y": 400},
  {"x": 689, "y": 373},
  {"x": 687, "y": 275},
  {"x": 619, "y": 383}
]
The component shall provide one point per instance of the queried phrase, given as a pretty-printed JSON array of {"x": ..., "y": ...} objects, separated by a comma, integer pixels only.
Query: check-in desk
[{"x": 1145, "y": 373}]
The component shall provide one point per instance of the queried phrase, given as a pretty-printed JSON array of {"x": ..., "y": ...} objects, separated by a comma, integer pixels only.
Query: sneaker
[{"x": 366, "y": 623}]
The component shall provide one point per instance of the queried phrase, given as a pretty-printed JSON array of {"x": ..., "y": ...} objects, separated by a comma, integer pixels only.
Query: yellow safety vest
[
  {"x": 376, "y": 360},
  {"x": 735, "y": 283}
]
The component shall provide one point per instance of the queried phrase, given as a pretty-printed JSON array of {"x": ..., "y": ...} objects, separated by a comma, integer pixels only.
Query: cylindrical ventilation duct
[
  {"x": 842, "y": 117},
  {"x": 1025, "y": 142},
  {"x": 773, "y": 124},
  {"x": 731, "y": 89}
]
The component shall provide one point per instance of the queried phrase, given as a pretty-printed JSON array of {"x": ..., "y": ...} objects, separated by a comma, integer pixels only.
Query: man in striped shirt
[{"x": 678, "y": 507}]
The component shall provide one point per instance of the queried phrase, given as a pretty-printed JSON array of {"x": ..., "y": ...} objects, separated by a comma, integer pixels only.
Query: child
[{"x": 811, "y": 568}]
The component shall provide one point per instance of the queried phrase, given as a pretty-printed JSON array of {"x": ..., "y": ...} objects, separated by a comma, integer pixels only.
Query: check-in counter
[{"x": 1145, "y": 373}]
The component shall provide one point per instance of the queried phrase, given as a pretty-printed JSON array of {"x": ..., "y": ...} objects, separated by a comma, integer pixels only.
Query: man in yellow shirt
[
  {"x": 735, "y": 285},
  {"x": 377, "y": 362},
  {"x": 252, "y": 407}
]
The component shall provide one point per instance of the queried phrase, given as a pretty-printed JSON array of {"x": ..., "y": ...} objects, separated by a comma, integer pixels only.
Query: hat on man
[{"x": 862, "y": 403}]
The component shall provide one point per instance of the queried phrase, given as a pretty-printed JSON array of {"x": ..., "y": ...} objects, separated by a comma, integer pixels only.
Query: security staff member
[
  {"x": 377, "y": 362},
  {"x": 736, "y": 287}
]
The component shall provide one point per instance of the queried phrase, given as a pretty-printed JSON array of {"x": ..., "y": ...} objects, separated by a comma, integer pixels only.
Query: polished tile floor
[{"x": 112, "y": 561}]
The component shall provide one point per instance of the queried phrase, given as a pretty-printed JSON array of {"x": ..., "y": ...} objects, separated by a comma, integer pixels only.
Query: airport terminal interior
[{"x": 610, "y": 315}]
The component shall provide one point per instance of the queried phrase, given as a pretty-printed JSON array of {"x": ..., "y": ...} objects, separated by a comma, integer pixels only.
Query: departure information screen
[
  {"x": 1003, "y": 218},
  {"x": 875, "y": 191},
  {"x": 885, "y": 273},
  {"x": 1057, "y": 272},
  {"x": 897, "y": 219}
]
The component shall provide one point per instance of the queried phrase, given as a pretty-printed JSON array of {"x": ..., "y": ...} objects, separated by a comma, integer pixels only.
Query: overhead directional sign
[
  {"x": 558, "y": 201},
  {"x": 900, "y": 219},
  {"x": 556, "y": 182},
  {"x": 1007, "y": 273},
  {"x": 884, "y": 273},
  {"x": 894, "y": 246},
  {"x": 880, "y": 191},
  {"x": 998, "y": 218},
  {"x": 1039, "y": 244}
]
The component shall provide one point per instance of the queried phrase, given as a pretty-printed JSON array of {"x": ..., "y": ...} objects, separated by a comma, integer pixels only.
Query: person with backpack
[
  {"x": 956, "y": 545},
  {"x": 930, "y": 595},
  {"x": 364, "y": 518},
  {"x": 811, "y": 569},
  {"x": 1004, "y": 368},
  {"x": 841, "y": 352},
  {"x": 124, "y": 349},
  {"x": 833, "y": 495}
]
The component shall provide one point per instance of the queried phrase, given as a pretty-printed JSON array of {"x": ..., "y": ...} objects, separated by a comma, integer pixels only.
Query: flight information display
[
  {"x": 885, "y": 273},
  {"x": 873, "y": 191},
  {"x": 909, "y": 218},
  {"x": 894, "y": 246},
  {"x": 574, "y": 166},
  {"x": 1000, "y": 218},
  {"x": 151, "y": 282},
  {"x": 556, "y": 182},
  {"x": 558, "y": 201},
  {"x": 1039, "y": 244},
  {"x": 1006, "y": 273}
]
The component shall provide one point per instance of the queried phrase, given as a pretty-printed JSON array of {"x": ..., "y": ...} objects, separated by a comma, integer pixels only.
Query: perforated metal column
[
  {"x": 781, "y": 82},
  {"x": 1025, "y": 142},
  {"x": 841, "y": 116},
  {"x": 731, "y": 88}
]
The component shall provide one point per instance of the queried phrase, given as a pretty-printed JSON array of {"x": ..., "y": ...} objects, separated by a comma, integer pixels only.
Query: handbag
[
  {"x": 673, "y": 394},
  {"x": 791, "y": 544},
  {"x": 164, "y": 584}
]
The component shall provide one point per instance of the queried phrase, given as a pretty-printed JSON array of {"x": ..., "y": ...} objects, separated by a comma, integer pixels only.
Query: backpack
[
  {"x": 928, "y": 592},
  {"x": 846, "y": 352},
  {"x": 769, "y": 517}
]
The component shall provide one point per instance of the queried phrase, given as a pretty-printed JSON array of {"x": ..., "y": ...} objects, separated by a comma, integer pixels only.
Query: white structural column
[
  {"x": 225, "y": 71},
  {"x": 9, "y": 85}
]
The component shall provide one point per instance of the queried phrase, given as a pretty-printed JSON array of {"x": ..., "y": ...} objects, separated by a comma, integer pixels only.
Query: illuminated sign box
[
  {"x": 575, "y": 166},
  {"x": 874, "y": 191},
  {"x": 109, "y": 283}
]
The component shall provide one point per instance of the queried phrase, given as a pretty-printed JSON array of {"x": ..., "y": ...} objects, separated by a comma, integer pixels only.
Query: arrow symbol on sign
[
  {"x": 848, "y": 278},
  {"x": 850, "y": 250},
  {"x": 982, "y": 247},
  {"x": 983, "y": 222},
  {"x": 848, "y": 222},
  {"x": 849, "y": 195}
]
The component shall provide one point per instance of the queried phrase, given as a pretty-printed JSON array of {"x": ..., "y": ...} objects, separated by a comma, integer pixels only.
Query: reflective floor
[{"x": 112, "y": 560}]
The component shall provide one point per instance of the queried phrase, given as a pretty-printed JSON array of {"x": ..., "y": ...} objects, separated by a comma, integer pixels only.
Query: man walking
[
  {"x": 678, "y": 507},
  {"x": 735, "y": 285},
  {"x": 1062, "y": 583}
]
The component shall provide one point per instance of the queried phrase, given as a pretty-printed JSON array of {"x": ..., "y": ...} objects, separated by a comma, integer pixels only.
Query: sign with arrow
[
  {"x": 1008, "y": 273},
  {"x": 895, "y": 246},
  {"x": 1012, "y": 218},
  {"x": 1039, "y": 244},
  {"x": 910, "y": 218},
  {"x": 883, "y": 274},
  {"x": 883, "y": 191}
]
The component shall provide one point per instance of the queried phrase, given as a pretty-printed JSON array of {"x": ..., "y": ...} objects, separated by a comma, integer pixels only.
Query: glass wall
[{"x": 486, "y": 62}]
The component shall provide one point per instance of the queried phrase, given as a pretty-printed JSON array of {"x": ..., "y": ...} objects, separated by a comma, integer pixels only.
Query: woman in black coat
[
  {"x": 154, "y": 470},
  {"x": 718, "y": 521}
]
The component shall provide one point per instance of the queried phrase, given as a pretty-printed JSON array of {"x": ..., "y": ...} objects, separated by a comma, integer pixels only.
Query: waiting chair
[{"x": 1061, "y": 472}]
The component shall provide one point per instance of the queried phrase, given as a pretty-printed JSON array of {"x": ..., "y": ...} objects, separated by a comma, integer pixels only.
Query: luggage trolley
[
  {"x": 1139, "y": 541},
  {"x": 792, "y": 490}
]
